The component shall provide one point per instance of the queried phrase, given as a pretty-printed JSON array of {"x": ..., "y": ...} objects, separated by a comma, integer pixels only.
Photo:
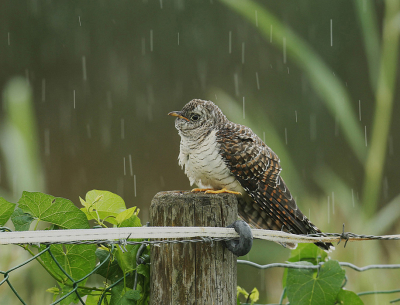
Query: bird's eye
[{"x": 194, "y": 117}]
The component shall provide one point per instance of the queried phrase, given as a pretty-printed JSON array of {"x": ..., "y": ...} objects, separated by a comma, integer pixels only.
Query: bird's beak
[{"x": 178, "y": 114}]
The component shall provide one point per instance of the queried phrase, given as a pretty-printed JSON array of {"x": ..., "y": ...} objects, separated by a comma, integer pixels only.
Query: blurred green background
[{"x": 86, "y": 88}]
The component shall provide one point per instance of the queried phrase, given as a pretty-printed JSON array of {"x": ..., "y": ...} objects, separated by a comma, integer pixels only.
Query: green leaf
[
  {"x": 132, "y": 295},
  {"x": 124, "y": 296},
  {"x": 94, "y": 300},
  {"x": 102, "y": 205},
  {"x": 144, "y": 270},
  {"x": 72, "y": 298},
  {"x": 254, "y": 295},
  {"x": 132, "y": 221},
  {"x": 346, "y": 297},
  {"x": 110, "y": 269},
  {"x": 126, "y": 214},
  {"x": 22, "y": 221},
  {"x": 6, "y": 209},
  {"x": 308, "y": 287},
  {"x": 53, "y": 290},
  {"x": 127, "y": 259},
  {"x": 308, "y": 252},
  {"x": 76, "y": 260},
  {"x": 56, "y": 210},
  {"x": 305, "y": 252}
]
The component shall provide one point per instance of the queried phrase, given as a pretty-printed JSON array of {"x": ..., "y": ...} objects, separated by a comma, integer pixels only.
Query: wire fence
[{"x": 112, "y": 238}]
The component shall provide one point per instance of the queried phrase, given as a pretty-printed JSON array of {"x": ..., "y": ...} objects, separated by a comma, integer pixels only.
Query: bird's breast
[{"x": 204, "y": 164}]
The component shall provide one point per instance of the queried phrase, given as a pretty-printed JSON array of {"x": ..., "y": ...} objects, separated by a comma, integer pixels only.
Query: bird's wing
[{"x": 257, "y": 169}]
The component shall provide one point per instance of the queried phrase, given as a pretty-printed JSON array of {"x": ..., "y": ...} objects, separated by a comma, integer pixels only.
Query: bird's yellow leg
[
  {"x": 195, "y": 190},
  {"x": 224, "y": 190}
]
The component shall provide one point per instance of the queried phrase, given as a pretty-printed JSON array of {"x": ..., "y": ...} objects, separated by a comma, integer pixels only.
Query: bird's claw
[{"x": 224, "y": 190}]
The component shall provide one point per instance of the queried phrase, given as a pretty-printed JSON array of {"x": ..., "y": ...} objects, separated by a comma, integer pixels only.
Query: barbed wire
[
  {"x": 217, "y": 236},
  {"x": 111, "y": 235}
]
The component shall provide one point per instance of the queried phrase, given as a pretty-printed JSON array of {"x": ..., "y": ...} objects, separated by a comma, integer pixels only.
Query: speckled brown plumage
[{"x": 253, "y": 165}]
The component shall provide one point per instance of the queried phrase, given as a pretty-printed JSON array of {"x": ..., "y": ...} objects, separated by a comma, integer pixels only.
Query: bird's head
[{"x": 198, "y": 116}]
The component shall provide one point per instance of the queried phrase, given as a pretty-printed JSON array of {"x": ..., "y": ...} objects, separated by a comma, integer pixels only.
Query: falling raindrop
[
  {"x": 286, "y": 135},
  {"x": 329, "y": 215},
  {"x": 124, "y": 167},
  {"x": 270, "y": 35},
  {"x": 242, "y": 52},
  {"x": 84, "y": 68},
  {"x": 47, "y": 142},
  {"x": 256, "y": 19},
  {"x": 130, "y": 164},
  {"x": 178, "y": 38},
  {"x": 258, "y": 82},
  {"x": 366, "y": 143},
  {"x": 151, "y": 40},
  {"x": 359, "y": 109},
  {"x": 161, "y": 4},
  {"x": 284, "y": 50},
  {"x": 331, "y": 35},
  {"x": 89, "y": 132},
  {"x": 122, "y": 129},
  {"x": 80, "y": 23},
  {"x": 8, "y": 38},
  {"x": 243, "y": 109},
  {"x": 134, "y": 183},
  {"x": 74, "y": 99},
  {"x": 295, "y": 113},
  {"x": 236, "y": 80},
  {"x": 230, "y": 42},
  {"x": 43, "y": 90}
]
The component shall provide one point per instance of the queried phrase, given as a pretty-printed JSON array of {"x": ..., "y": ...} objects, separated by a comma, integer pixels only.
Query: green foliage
[
  {"x": 322, "y": 285},
  {"x": 307, "y": 286},
  {"x": 55, "y": 210},
  {"x": 22, "y": 221},
  {"x": 102, "y": 206},
  {"x": 6, "y": 209},
  {"x": 251, "y": 297},
  {"x": 74, "y": 264},
  {"x": 348, "y": 298}
]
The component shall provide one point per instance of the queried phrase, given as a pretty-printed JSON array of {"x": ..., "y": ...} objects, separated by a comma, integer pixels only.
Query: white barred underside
[{"x": 204, "y": 165}]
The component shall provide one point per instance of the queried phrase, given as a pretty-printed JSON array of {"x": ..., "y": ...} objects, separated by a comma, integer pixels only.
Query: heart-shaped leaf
[{"x": 309, "y": 287}]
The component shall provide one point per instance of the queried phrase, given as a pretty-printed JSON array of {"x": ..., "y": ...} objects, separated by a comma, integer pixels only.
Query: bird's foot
[
  {"x": 224, "y": 190},
  {"x": 195, "y": 190}
]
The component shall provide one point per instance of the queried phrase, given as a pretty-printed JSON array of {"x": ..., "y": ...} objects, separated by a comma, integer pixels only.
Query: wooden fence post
[{"x": 192, "y": 273}]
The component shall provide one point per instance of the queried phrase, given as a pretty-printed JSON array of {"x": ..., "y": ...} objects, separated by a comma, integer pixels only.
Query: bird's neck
[{"x": 196, "y": 136}]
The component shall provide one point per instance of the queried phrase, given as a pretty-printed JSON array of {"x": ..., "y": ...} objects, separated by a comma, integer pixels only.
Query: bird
[{"x": 220, "y": 156}]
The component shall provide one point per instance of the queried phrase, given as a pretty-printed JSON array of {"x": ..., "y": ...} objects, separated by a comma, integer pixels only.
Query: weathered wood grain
[{"x": 198, "y": 273}]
